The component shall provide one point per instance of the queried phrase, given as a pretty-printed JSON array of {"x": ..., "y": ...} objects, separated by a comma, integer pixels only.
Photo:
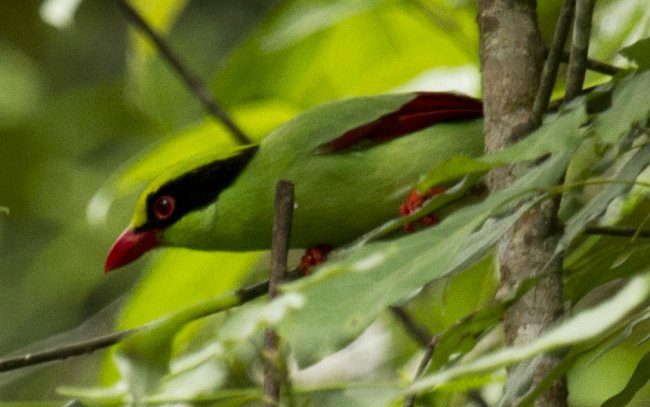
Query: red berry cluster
[
  {"x": 414, "y": 201},
  {"x": 313, "y": 257}
]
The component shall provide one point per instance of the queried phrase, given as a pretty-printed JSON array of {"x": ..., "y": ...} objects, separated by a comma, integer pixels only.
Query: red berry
[{"x": 313, "y": 257}]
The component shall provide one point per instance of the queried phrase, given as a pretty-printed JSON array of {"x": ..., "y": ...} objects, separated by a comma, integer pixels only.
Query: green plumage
[{"x": 338, "y": 195}]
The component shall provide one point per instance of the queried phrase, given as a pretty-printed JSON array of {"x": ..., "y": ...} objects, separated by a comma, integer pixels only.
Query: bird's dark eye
[{"x": 163, "y": 207}]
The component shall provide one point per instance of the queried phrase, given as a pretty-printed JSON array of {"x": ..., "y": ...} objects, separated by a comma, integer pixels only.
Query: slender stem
[
  {"x": 549, "y": 72},
  {"x": 282, "y": 220},
  {"x": 579, "y": 48},
  {"x": 600, "y": 66},
  {"x": 424, "y": 362},
  {"x": 617, "y": 231},
  {"x": 190, "y": 78},
  {"x": 417, "y": 332},
  {"x": 66, "y": 351}
]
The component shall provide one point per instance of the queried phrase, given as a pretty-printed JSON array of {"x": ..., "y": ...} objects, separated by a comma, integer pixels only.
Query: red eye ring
[{"x": 163, "y": 207}]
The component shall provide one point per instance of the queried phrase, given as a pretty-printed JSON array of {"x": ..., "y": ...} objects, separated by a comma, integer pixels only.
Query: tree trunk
[{"x": 511, "y": 52}]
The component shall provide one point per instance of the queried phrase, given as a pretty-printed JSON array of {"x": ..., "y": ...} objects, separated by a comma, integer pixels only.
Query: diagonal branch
[
  {"x": 549, "y": 72},
  {"x": 579, "y": 48},
  {"x": 594, "y": 65},
  {"x": 66, "y": 351},
  {"x": 409, "y": 401},
  {"x": 619, "y": 231},
  {"x": 190, "y": 78},
  {"x": 416, "y": 331}
]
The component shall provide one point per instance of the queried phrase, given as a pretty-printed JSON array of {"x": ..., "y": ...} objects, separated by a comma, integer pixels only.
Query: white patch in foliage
[
  {"x": 369, "y": 262},
  {"x": 464, "y": 79},
  {"x": 253, "y": 317},
  {"x": 275, "y": 311},
  {"x": 97, "y": 208},
  {"x": 59, "y": 13},
  {"x": 363, "y": 357}
]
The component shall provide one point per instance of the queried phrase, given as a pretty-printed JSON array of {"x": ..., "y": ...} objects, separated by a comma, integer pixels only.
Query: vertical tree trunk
[{"x": 511, "y": 52}]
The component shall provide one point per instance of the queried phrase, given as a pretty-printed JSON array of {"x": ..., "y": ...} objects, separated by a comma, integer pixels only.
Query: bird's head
[{"x": 163, "y": 214}]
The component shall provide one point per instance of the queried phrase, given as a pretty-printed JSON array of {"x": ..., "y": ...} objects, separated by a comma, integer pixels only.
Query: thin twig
[
  {"x": 617, "y": 231},
  {"x": 66, "y": 351},
  {"x": 549, "y": 73},
  {"x": 190, "y": 78},
  {"x": 282, "y": 219},
  {"x": 602, "y": 67},
  {"x": 426, "y": 358},
  {"x": 417, "y": 332},
  {"x": 579, "y": 48},
  {"x": 594, "y": 64}
]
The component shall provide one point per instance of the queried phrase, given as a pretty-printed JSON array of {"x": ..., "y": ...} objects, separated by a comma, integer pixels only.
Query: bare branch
[
  {"x": 549, "y": 73},
  {"x": 426, "y": 358},
  {"x": 417, "y": 332},
  {"x": 190, "y": 78},
  {"x": 66, "y": 351},
  {"x": 620, "y": 231},
  {"x": 579, "y": 48},
  {"x": 598, "y": 66},
  {"x": 282, "y": 220}
]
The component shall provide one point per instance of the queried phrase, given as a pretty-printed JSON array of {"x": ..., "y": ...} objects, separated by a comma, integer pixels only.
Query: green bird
[{"x": 352, "y": 163}]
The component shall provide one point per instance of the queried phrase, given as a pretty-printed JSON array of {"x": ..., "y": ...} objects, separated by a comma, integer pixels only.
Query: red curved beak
[{"x": 129, "y": 246}]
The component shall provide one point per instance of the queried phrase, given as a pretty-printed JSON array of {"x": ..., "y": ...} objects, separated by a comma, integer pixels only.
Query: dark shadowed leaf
[
  {"x": 639, "y": 379},
  {"x": 639, "y": 53}
]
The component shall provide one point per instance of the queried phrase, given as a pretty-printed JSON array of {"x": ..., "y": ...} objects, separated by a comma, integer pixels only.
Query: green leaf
[
  {"x": 224, "y": 398},
  {"x": 579, "y": 169},
  {"x": 631, "y": 165},
  {"x": 630, "y": 106},
  {"x": 453, "y": 168},
  {"x": 617, "y": 23},
  {"x": 339, "y": 58},
  {"x": 115, "y": 395},
  {"x": 347, "y": 294},
  {"x": 299, "y": 20},
  {"x": 253, "y": 318},
  {"x": 639, "y": 53},
  {"x": 639, "y": 379},
  {"x": 612, "y": 258},
  {"x": 584, "y": 326},
  {"x": 4, "y": 210},
  {"x": 560, "y": 133},
  {"x": 464, "y": 334},
  {"x": 624, "y": 335}
]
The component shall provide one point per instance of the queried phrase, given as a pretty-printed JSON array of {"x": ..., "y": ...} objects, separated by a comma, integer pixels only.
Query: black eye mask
[{"x": 197, "y": 188}]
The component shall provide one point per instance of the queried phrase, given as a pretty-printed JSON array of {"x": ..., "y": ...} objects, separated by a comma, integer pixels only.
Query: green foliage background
[{"x": 89, "y": 112}]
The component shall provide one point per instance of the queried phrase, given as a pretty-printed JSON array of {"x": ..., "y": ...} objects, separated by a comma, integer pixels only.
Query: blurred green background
[{"x": 81, "y": 95}]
